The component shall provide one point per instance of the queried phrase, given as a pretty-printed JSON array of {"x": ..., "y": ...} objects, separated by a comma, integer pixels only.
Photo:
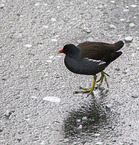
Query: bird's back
[{"x": 100, "y": 51}]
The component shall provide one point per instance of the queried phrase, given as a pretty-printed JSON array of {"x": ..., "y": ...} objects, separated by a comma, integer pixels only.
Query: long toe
[
  {"x": 88, "y": 90},
  {"x": 91, "y": 92},
  {"x": 85, "y": 88},
  {"x": 101, "y": 80},
  {"x": 106, "y": 82},
  {"x": 106, "y": 74},
  {"x": 85, "y": 91}
]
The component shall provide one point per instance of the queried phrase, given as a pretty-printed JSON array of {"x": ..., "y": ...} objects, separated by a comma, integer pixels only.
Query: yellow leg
[
  {"x": 103, "y": 76},
  {"x": 93, "y": 85},
  {"x": 88, "y": 90},
  {"x": 94, "y": 81},
  {"x": 106, "y": 82}
]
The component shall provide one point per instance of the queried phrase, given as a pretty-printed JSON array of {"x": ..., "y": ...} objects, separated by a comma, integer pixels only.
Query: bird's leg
[
  {"x": 103, "y": 76},
  {"x": 106, "y": 82},
  {"x": 101, "y": 79},
  {"x": 88, "y": 90},
  {"x": 93, "y": 85}
]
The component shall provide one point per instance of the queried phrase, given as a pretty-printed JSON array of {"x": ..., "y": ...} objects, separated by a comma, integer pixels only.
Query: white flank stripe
[
  {"x": 93, "y": 60},
  {"x": 102, "y": 62}
]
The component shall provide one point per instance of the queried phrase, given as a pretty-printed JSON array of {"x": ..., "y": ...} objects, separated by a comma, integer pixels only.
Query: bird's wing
[{"x": 96, "y": 50}]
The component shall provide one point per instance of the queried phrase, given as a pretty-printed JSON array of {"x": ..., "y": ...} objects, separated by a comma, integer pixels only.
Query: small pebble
[
  {"x": 53, "y": 19},
  {"x": 37, "y": 4},
  {"x": 4, "y": 78},
  {"x": 54, "y": 40},
  {"x": 132, "y": 25},
  {"x": 125, "y": 10},
  {"x": 45, "y": 4},
  {"x": 39, "y": 70},
  {"x": 33, "y": 97},
  {"x": 2, "y": 6},
  {"x": 122, "y": 20},
  {"x": 100, "y": 6},
  {"x": 49, "y": 61},
  {"x": 46, "y": 75},
  {"x": 19, "y": 35},
  {"x": 112, "y": 2},
  {"x": 133, "y": 54},
  {"x": 90, "y": 39},
  {"x": 80, "y": 127},
  {"x": 109, "y": 106},
  {"x": 7, "y": 113},
  {"x": 28, "y": 119},
  {"x": 112, "y": 26},
  {"x": 127, "y": 70},
  {"x": 133, "y": 6},
  {"x": 52, "y": 99},
  {"x": 42, "y": 143},
  {"x": 45, "y": 26},
  {"x": 97, "y": 134},
  {"x": 85, "y": 3},
  {"x": 78, "y": 120},
  {"x": 66, "y": 140},
  {"x": 87, "y": 30},
  {"x": 99, "y": 143},
  {"x": 51, "y": 57},
  {"x": 128, "y": 39},
  {"x": 84, "y": 118},
  {"x": 28, "y": 45},
  {"x": 79, "y": 41}
]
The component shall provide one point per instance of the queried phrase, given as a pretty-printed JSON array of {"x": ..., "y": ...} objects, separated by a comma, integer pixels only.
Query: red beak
[{"x": 60, "y": 51}]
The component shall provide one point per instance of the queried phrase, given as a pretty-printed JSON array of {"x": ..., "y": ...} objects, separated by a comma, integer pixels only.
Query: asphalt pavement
[{"x": 37, "y": 104}]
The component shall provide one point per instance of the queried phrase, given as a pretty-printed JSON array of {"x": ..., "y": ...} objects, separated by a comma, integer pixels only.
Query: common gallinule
[{"x": 90, "y": 58}]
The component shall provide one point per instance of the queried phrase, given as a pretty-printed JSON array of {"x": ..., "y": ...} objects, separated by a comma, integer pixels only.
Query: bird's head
[{"x": 69, "y": 49}]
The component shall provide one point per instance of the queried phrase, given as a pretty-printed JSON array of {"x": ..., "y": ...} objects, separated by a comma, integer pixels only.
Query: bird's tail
[
  {"x": 114, "y": 56},
  {"x": 118, "y": 45}
]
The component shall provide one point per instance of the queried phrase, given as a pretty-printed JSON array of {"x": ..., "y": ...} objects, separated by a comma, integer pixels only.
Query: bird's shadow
[{"x": 87, "y": 119}]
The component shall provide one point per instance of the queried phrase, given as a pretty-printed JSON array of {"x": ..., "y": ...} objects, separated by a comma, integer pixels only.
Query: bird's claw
[{"x": 85, "y": 90}]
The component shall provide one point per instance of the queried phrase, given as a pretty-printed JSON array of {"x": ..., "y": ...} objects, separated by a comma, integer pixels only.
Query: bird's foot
[
  {"x": 88, "y": 90},
  {"x": 85, "y": 90},
  {"x": 103, "y": 76}
]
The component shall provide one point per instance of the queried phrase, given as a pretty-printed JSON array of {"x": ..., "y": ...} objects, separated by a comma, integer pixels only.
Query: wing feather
[{"x": 96, "y": 50}]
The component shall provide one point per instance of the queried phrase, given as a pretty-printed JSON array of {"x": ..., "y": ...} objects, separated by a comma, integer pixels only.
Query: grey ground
[{"x": 31, "y": 33}]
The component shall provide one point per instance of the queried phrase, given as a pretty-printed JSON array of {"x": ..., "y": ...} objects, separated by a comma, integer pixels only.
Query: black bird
[{"x": 90, "y": 58}]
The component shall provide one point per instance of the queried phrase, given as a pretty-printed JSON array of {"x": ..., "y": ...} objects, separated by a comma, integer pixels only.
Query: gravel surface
[{"x": 37, "y": 104}]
